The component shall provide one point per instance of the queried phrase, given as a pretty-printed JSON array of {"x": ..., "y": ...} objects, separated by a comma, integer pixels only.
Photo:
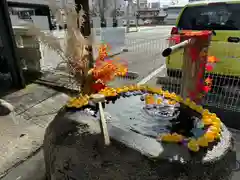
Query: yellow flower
[
  {"x": 216, "y": 125},
  {"x": 179, "y": 99},
  {"x": 205, "y": 112},
  {"x": 172, "y": 102},
  {"x": 213, "y": 115},
  {"x": 160, "y": 91},
  {"x": 78, "y": 105},
  {"x": 202, "y": 141},
  {"x": 218, "y": 136},
  {"x": 214, "y": 129},
  {"x": 173, "y": 96},
  {"x": 166, "y": 137},
  {"x": 187, "y": 102},
  {"x": 119, "y": 90},
  {"x": 131, "y": 88},
  {"x": 137, "y": 87},
  {"x": 177, "y": 137},
  {"x": 125, "y": 89},
  {"x": 199, "y": 109},
  {"x": 166, "y": 94},
  {"x": 210, "y": 136},
  {"x": 71, "y": 100},
  {"x": 207, "y": 121},
  {"x": 193, "y": 105},
  {"x": 69, "y": 105},
  {"x": 172, "y": 137},
  {"x": 193, "y": 145},
  {"x": 217, "y": 120},
  {"x": 159, "y": 101}
]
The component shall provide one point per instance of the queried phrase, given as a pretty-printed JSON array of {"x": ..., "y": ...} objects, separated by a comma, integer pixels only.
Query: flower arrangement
[
  {"x": 210, "y": 124},
  {"x": 76, "y": 55},
  {"x": 106, "y": 70}
]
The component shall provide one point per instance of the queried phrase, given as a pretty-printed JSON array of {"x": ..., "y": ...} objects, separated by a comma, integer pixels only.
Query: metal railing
[{"x": 225, "y": 90}]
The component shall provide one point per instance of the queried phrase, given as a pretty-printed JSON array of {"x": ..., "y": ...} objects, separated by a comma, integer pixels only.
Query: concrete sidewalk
[{"x": 22, "y": 132}]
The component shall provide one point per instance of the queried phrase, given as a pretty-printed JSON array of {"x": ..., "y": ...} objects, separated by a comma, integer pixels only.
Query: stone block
[{"x": 73, "y": 148}]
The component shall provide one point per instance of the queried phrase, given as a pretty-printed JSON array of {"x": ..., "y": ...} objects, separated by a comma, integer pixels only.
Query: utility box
[{"x": 28, "y": 49}]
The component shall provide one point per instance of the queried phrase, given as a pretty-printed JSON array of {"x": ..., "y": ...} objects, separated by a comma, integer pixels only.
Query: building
[
  {"x": 143, "y": 3},
  {"x": 172, "y": 13},
  {"x": 154, "y": 5},
  {"x": 109, "y": 6},
  {"x": 36, "y": 11}
]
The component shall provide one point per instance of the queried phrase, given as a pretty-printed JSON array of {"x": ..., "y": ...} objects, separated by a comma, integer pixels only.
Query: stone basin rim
[{"x": 142, "y": 143}]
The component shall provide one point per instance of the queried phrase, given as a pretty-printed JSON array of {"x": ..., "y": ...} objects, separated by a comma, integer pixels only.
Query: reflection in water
[{"x": 131, "y": 114}]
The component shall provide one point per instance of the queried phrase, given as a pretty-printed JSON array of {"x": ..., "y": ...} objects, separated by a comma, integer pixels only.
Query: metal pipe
[
  {"x": 128, "y": 12},
  {"x": 168, "y": 51},
  {"x": 137, "y": 13}
]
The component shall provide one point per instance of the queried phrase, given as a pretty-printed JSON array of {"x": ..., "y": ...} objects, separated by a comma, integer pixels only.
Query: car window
[{"x": 211, "y": 17}]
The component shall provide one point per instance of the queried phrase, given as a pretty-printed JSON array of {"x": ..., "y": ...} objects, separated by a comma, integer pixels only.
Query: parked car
[
  {"x": 147, "y": 22},
  {"x": 224, "y": 18},
  {"x": 131, "y": 22}
]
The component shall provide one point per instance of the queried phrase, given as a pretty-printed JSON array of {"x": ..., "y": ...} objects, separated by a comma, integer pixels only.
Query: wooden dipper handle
[{"x": 99, "y": 98}]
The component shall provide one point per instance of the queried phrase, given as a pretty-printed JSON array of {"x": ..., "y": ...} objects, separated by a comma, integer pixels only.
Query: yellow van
[{"x": 223, "y": 17}]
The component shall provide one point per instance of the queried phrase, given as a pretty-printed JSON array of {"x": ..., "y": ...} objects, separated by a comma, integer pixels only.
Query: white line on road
[{"x": 151, "y": 75}]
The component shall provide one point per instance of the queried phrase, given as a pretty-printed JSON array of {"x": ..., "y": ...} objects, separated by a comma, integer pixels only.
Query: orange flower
[{"x": 106, "y": 70}]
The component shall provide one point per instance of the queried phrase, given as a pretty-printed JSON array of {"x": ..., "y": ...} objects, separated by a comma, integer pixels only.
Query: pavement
[{"x": 23, "y": 130}]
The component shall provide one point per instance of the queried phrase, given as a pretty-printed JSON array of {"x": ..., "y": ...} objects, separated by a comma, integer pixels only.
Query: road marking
[{"x": 151, "y": 75}]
